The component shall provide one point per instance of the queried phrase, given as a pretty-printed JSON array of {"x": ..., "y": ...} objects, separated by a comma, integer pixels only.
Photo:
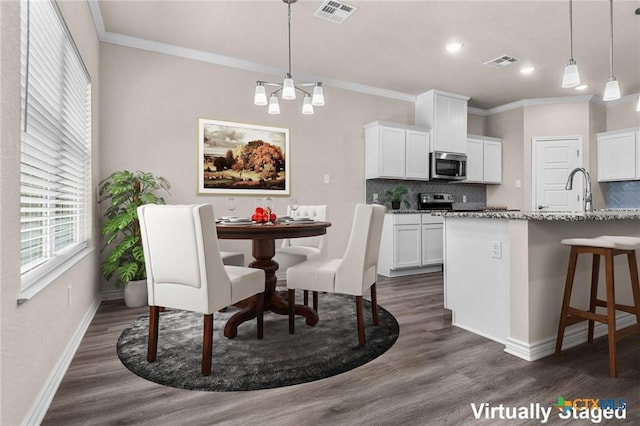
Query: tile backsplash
[
  {"x": 475, "y": 193},
  {"x": 623, "y": 195}
]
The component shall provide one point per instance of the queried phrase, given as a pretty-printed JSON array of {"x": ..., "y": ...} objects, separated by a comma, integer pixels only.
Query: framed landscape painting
[{"x": 242, "y": 158}]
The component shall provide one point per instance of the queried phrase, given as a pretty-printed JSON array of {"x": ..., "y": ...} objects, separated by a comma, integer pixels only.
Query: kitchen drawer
[
  {"x": 406, "y": 219},
  {"x": 427, "y": 218}
]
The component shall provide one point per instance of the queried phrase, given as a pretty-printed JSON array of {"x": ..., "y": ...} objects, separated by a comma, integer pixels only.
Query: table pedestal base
[{"x": 274, "y": 301}]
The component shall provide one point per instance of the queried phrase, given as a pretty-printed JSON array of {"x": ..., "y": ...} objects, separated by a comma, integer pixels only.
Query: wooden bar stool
[{"x": 609, "y": 247}]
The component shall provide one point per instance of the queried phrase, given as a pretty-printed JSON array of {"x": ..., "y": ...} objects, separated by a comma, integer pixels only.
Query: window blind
[{"x": 56, "y": 142}]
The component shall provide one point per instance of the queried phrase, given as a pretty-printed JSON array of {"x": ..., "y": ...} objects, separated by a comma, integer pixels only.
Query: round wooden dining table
[{"x": 264, "y": 238}]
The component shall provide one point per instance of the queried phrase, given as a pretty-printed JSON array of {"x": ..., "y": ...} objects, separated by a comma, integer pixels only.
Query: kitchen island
[{"x": 504, "y": 274}]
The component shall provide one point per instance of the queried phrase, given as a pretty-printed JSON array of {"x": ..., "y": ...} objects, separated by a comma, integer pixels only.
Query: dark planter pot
[{"x": 395, "y": 205}]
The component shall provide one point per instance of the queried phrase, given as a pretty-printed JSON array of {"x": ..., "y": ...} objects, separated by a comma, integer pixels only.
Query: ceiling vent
[
  {"x": 501, "y": 61},
  {"x": 335, "y": 11}
]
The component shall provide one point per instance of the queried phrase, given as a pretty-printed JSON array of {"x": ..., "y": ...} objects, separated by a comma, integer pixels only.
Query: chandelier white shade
[
  {"x": 307, "y": 106},
  {"x": 288, "y": 88},
  {"x": 318, "y": 95},
  {"x": 260, "y": 97},
  {"x": 274, "y": 106},
  {"x": 571, "y": 76}
]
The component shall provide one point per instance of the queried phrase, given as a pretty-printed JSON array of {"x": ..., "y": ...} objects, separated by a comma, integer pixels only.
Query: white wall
[
  {"x": 622, "y": 114},
  {"x": 34, "y": 335},
  {"x": 149, "y": 109}
]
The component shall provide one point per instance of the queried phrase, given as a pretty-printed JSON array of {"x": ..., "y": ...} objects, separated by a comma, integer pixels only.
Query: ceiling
[{"x": 397, "y": 47}]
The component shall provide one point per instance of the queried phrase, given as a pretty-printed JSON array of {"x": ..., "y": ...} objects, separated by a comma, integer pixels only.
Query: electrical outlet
[
  {"x": 69, "y": 296},
  {"x": 327, "y": 179},
  {"x": 375, "y": 197},
  {"x": 495, "y": 249},
  {"x": 464, "y": 198}
]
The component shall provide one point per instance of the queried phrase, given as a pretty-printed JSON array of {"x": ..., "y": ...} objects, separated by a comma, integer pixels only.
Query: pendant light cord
[
  {"x": 571, "y": 28},
  {"x": 611, "y": 40},
  {"x": 289, "y": 7}
]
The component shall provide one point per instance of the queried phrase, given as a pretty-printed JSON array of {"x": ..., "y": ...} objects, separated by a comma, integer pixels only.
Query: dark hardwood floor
[{"x": 431, "y": 376}]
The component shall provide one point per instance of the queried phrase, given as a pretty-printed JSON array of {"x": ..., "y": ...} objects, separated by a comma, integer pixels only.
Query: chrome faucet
[{"x": 588, "y": 206}]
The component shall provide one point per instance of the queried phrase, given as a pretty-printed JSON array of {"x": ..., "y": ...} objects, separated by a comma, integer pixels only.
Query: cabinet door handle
[{"x": 540, "y": 207}]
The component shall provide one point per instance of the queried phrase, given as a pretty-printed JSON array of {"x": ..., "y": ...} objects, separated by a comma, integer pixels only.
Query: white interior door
[{"x": 553, "y": 159}]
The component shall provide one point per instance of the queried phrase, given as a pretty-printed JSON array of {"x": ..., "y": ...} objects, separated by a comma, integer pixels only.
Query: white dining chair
[
  {"x": 296, "y": 250},
  {"x": 353, "y": 274},
  {"x": 185, "y": 270}
]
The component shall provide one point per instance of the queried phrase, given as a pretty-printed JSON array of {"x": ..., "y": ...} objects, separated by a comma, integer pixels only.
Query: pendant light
[
  {"x": 571, "y": 76},
  {"x": 611, "y": 90},
  {"x": 287, "y": 89}
]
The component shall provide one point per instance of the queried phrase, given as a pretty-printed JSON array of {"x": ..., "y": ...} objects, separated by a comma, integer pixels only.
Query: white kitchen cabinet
[
  {"x": 407, "y": 245},
  {"x": 446, "y": 115},
  {"x": 410, "y": 244},
  {"x": 619, "y": 155},
  {"x": 396, "y": 151},
  {"x": 432, "y": 240},
  {"x": 484, "y": 159},
  {"x": 492, "y": 161},
  {"x": 475, "y": 160}
]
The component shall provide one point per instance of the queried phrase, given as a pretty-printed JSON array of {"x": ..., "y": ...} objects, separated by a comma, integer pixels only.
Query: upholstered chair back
[
  {"x": 317, "y": 213},
  {"x": 182, "y": 258},
  {"x": 359, "y": 266}
]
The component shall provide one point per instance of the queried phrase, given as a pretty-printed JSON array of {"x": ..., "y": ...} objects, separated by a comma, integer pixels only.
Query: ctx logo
[
  {"x": 593, "y": 409},
  {"x": 589, "y": 403}
]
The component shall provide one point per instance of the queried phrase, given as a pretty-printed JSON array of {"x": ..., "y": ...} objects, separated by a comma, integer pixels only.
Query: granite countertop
[
  {"x": 630, "y": 214},
  {"x": 406, "y": 211}
]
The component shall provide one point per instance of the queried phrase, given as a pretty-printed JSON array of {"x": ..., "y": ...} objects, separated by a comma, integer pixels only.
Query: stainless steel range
[{"x": 435, "y": 201}]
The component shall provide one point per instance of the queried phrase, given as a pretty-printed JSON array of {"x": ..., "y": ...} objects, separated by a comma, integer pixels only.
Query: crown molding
[{"x": 551, "y": 101}]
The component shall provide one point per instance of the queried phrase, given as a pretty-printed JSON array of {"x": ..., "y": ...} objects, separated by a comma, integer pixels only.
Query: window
[{"x": 55, "y": 146}]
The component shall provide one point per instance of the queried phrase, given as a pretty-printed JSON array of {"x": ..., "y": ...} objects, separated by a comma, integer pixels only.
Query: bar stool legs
[{"x": 601, "y": 246}]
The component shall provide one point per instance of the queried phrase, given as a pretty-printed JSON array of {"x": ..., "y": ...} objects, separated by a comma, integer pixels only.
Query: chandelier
[{"x": 287, "y": 89}]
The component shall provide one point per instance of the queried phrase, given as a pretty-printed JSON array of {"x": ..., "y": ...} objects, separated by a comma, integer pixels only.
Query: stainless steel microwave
[{"x": 448, "y": 166}]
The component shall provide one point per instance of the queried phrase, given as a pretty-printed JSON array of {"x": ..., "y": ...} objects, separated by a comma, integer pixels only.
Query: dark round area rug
[{"x": 246, "y": 363}]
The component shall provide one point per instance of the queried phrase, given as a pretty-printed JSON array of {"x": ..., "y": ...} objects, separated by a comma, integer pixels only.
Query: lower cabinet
[
  {"x": 432, "y": 244},
  {"x": 411, "y": 244}
]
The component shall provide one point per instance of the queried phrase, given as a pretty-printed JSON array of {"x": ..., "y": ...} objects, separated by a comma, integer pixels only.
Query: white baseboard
[
  {"x": 392, "y": 273},
  {"x": 41, "y": 404},
  {"x": 573, "y": 336}
]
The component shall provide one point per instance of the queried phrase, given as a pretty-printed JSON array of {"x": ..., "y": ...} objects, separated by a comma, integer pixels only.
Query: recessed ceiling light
[
  {"x": 582, "y": 87},
  {"x": 527, "y": 70},
  {"x": 453, "y": 46}
]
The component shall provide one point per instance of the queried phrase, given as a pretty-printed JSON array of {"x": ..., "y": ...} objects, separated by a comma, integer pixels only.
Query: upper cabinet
[
  {"x": 484, "y": 159},
  {"x": 446, "y": 115},
  {"x": 396, "y": 151},
  {"x": 619, "y": 155}
]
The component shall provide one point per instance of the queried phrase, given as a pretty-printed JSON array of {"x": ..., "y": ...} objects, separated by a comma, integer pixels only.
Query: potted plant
[
  {"x": 125, "y": 191},
  {"x": 397, "y": 195}
]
